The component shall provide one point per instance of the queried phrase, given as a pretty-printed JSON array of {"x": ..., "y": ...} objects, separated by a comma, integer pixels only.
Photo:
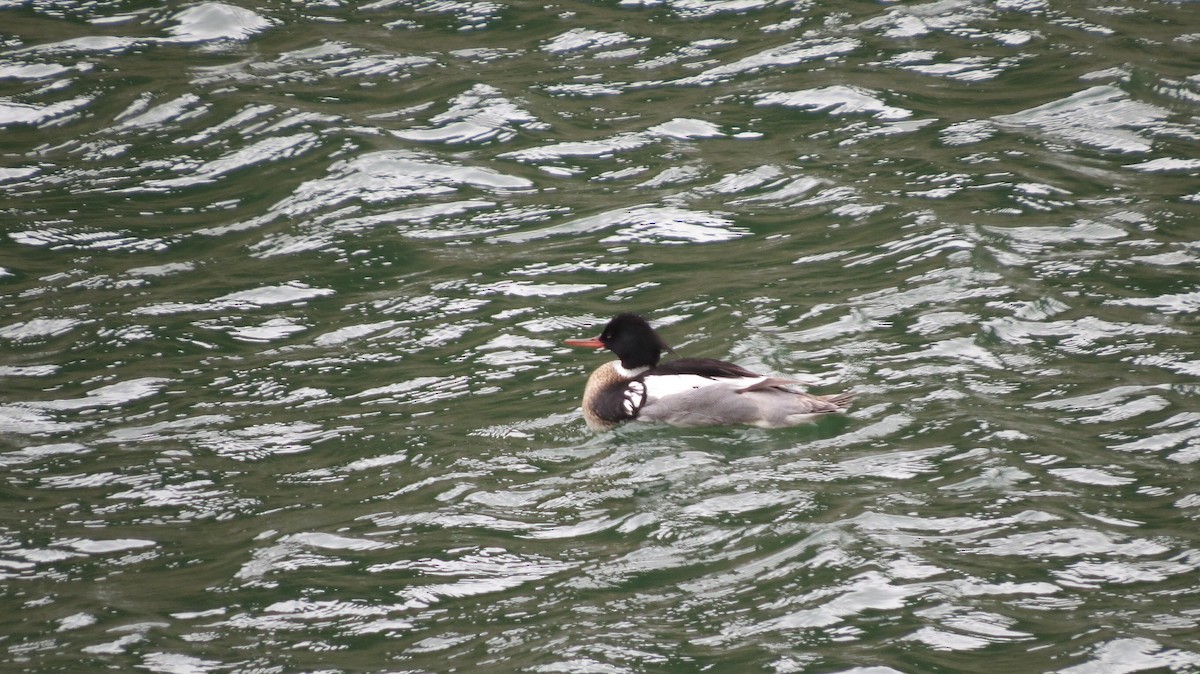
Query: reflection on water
[{"x": 285, "y": 285}]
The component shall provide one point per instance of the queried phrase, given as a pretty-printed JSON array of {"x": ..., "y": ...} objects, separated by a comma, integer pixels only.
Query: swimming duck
[{"x": 687, "y": 391}]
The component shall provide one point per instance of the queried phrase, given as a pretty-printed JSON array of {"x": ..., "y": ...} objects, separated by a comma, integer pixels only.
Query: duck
[{"x": 687, "y": 391}]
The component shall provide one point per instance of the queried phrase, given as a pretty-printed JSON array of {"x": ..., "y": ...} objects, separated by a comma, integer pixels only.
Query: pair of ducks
[{"x": 687, "y": 391}]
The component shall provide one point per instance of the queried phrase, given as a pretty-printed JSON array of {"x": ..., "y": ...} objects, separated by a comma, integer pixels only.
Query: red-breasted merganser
[{"x": 687, "y": 391}]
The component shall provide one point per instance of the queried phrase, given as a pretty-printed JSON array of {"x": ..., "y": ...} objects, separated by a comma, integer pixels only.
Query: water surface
[{"x": 283, "y": 287}]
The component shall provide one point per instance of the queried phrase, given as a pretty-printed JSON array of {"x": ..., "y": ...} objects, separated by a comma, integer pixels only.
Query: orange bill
[{"x": 590, "y": 343}]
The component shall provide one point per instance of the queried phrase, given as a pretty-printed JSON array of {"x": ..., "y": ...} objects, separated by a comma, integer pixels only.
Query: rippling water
[{"x": 284, "y": 286}]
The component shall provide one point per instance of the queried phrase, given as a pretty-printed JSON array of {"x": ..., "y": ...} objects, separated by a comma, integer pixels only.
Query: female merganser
[{"x": 687, "y": 391}]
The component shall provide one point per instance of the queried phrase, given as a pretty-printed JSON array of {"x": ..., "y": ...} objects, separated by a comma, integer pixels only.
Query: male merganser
[{"x": 687, "y": 391}]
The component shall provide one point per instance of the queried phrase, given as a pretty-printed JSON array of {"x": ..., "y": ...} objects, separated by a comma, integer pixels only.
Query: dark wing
[{"x": 705, "y": 367}]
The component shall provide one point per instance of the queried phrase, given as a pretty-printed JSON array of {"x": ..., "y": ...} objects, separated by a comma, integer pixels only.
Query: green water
[{"x": 283, "y": 287}]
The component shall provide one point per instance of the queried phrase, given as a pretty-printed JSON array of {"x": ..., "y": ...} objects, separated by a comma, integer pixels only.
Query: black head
[{"x": 633, "y": 340}]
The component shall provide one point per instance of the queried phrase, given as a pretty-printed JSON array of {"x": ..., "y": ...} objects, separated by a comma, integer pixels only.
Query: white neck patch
[{"x": 627, "y": 373}]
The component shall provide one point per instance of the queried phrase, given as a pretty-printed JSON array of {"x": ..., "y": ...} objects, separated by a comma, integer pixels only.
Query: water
[{"x": 283, "y": 287}]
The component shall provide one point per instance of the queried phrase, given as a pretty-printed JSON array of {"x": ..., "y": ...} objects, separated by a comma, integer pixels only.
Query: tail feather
[{"x": 841, "y": 400}]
